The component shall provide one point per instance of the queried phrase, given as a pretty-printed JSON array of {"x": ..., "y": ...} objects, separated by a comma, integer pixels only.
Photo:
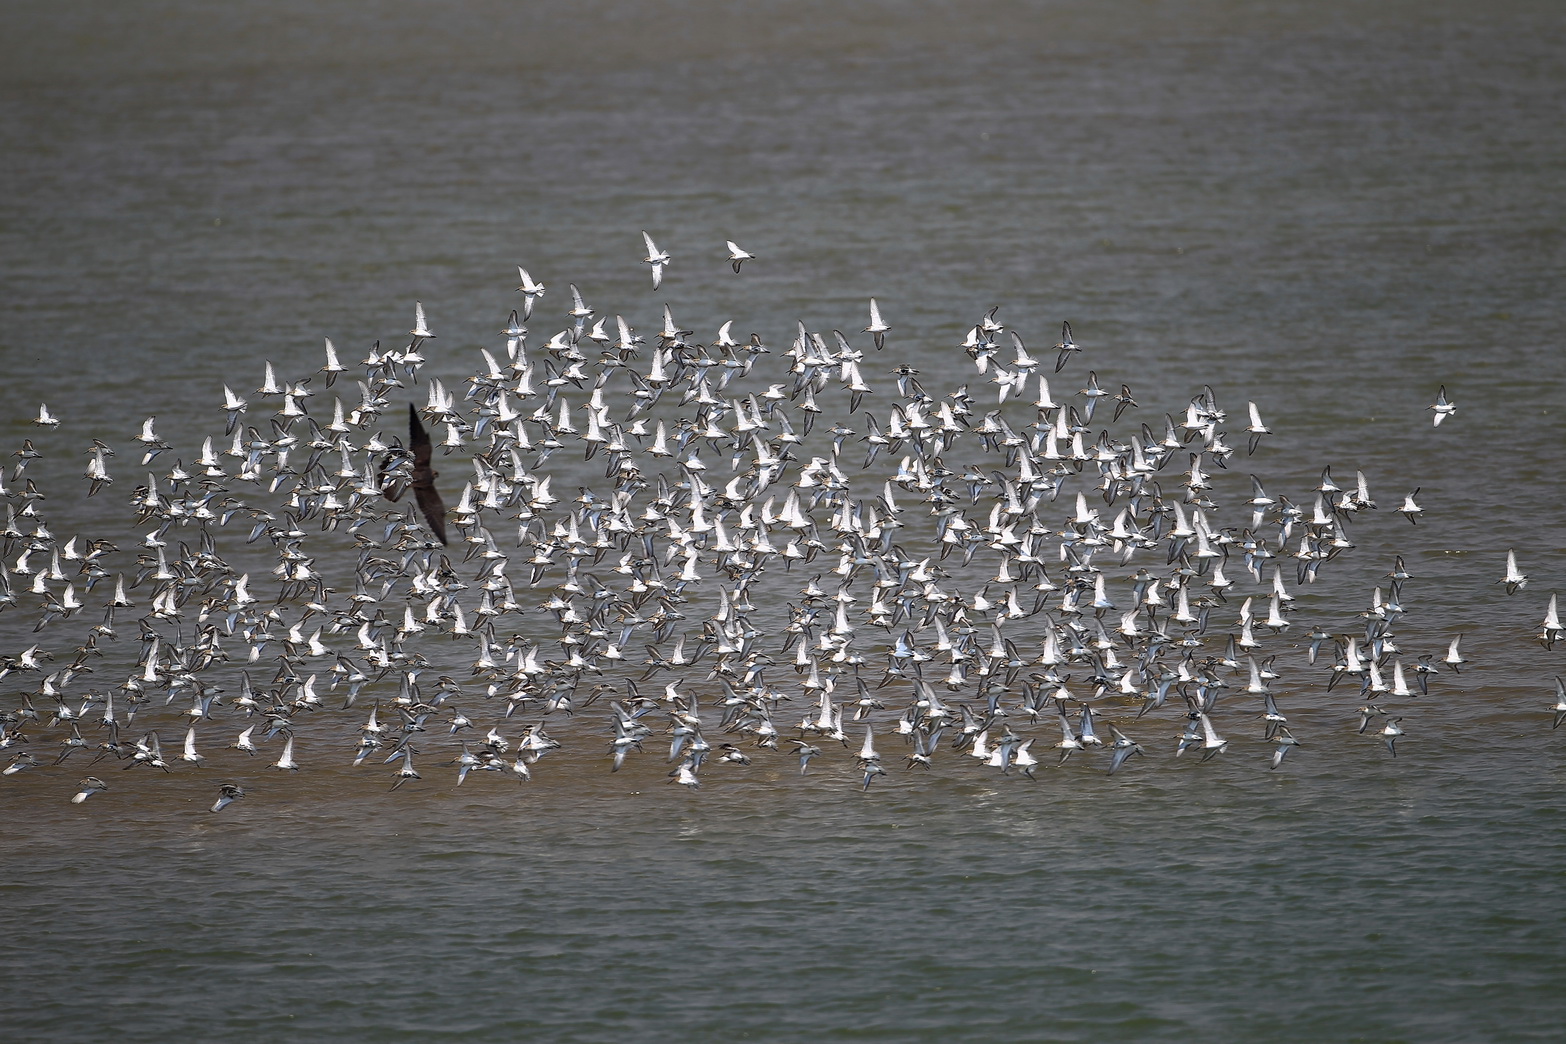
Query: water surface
[{"x": 1328, "y": 209}]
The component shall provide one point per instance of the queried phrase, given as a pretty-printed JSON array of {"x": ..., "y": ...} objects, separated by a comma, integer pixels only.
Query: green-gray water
[{"x": 1328, "y": 209}]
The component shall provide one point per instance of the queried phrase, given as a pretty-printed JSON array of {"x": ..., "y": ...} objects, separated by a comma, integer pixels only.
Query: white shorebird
[
  {"x": 530, "y": 290},
  {"x": 1065, "y": 347},
  {"x": 332, "y": 368},
  {"x": 1410, "y": 508},
  {"x": 655, "y": 257},
  {"x": 579, "y": 312},
  {"x": 421, "y": 328},
  {"x": 1256, "y": 429},
  {"x": 877, "y": 328},
  {"x": 1514, "y": 578},
  {"x": 1454, "y": 658},
  {"x": 737, "y": 256},
  {"x": 190, "y": 754},
  {"x": 1560, "y": 703},
  {"x": 1552, "y": 631}
]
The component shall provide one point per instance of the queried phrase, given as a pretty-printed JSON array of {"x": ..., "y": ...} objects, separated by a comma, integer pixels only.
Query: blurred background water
[{"x": 1328, "y": 208}]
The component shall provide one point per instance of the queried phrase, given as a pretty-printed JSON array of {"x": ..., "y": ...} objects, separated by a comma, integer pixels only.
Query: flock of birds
[{"x": 997, "y": 572}]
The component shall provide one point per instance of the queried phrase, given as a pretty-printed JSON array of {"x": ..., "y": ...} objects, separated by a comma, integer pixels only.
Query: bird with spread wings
[{"x": 422, "y": 479}]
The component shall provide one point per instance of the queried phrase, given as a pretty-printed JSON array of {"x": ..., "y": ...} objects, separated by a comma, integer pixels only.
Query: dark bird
[
  {"x": 422, "y": 481},
  {"x": 228, "y": 793},
  {"x": 1123, "y": 401}
]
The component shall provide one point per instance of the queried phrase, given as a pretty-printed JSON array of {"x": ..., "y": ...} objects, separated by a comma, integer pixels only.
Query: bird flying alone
[
  {"x": 1256, "y": 430},
  {"x": 228, "y": 793},
  {"x": 738, "y": 256},
  {"x": 530, "y": 289},
  {"x": 877, "y": 328},
  {"x": 1410, "y": 508},
  {"x": 93, "y": 785},
  {"x": 655, "y": 257},
  {"x": 1065, "y": 347},
  {"x": 1515, "y": 578},
  {"x": 421, "y": 328}
]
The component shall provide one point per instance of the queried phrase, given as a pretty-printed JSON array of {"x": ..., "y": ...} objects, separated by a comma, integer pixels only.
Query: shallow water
[{"x": 1329, "y": 210}]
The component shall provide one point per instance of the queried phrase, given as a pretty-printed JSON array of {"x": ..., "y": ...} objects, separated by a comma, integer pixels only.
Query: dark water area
[{"x": 1330, "y": 210}]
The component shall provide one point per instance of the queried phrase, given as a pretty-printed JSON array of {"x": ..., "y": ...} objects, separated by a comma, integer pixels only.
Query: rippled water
[{"x": 1328, "y": 209}]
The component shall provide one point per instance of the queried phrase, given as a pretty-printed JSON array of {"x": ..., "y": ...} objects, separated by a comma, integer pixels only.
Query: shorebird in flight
[
  {"x": 532, "y": 290},
  {"x": 655, "y": 257},
  {"x": 737, "y": 256}
]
